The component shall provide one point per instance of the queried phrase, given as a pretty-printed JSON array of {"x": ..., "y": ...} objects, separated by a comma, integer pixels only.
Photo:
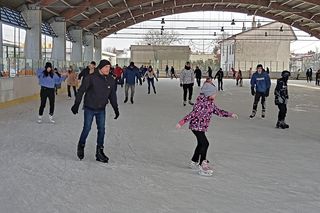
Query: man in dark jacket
[
  {"x": 260, "y": 88},
  {"x": 281, "y": 99},
  {"x": 130, "y": 75},
  {"x": 198, "y": 74},
  {"x": 219, "y": 75},
  {"x": 99, "y": 89},
  {"x": 88, "y": 70}
]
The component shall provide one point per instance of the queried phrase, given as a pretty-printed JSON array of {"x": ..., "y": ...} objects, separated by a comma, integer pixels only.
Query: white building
[{"x": 268, "y": 45}]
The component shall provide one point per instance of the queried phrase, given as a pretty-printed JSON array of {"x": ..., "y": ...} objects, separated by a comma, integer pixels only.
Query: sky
[{"x": 208, "y": 23}]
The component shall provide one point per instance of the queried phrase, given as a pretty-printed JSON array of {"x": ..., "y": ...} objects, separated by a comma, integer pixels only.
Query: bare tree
[{"x": 154, "y": 37}]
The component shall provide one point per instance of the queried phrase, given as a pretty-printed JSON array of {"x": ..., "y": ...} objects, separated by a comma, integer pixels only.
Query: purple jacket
[{"x": 201, "y": 114}]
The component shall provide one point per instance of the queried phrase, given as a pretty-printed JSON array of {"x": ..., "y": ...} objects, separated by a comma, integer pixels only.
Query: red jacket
[{"x": 118, "y": 72}]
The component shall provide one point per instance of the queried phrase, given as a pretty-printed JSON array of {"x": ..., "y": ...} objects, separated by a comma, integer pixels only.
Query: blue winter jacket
[
  {"x": 49, "y": 81},
  {"x": 261, "y": 82},
  {"x": 130, "y": 74}
]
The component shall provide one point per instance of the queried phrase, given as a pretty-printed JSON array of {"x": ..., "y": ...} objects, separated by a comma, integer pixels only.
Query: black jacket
[
  {"x": 281, "y": 92},
  {"x": 219, "y": 75},
  {"x": 99, "y": 90},
  {"x": 197, "y": 72},
  {"x": 84, "y": 73}
]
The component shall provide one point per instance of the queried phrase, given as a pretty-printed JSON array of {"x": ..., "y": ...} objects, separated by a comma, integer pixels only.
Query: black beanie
[
  {"x": 103, "y": 63},
  {"x": 48, "y": 64}
]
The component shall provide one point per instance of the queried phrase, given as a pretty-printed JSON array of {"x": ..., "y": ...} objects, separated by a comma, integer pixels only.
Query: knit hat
[
  {"x": 208, "y": 89},
  {"x": 48, "y": 64},
  {"x": 103, "y": 63}
]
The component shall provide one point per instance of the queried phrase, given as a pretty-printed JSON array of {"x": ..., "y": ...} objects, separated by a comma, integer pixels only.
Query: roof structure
[{"x": 103, "y": 17}]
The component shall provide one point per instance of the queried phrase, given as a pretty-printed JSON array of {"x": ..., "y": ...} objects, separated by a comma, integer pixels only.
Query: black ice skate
[
  {"x": 283, "y": 125},
  {"x": 252, "y": 115},
  {"x": 131, "y": 100},
  {"x": 80, "y": 151},
  {"x": 100, "y": 156},
  {"x": 125, "y": 100},
  {"x": 263, "y": 115},
  {"x": 191, "y": 103}
]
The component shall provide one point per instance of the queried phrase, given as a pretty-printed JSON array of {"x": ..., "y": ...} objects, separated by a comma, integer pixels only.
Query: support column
[
  {"x": 97, "y": 49},
  {"x": 88, "y": 49},
  {"x": 76, "y": 53},
  {"x": 59, "y": 43},
  {"x": 33, "y": 17},
  {"x": 1, "y": 48}
]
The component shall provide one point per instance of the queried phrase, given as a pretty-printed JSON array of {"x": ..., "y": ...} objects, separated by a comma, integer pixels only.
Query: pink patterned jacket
[{"x": 201, "y": 114}]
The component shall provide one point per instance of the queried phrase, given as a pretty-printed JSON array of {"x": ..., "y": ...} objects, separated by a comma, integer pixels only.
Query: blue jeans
[{"x": 100, "y": 121}]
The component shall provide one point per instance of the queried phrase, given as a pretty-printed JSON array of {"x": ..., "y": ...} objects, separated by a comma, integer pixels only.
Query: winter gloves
[
  {"x": 252, "y": 91},
  {"x": 75, "y": 109}
]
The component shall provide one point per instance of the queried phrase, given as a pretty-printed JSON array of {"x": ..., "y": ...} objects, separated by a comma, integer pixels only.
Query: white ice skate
[
  {"x": 39, "y": 121},
  {"x": 194, "y": 165},
  {"x": 51, "y": 119},
  {"x": 205, "y": 169}
]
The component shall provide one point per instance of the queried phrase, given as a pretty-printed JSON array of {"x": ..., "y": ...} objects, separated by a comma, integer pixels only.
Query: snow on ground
[{"x": 257, "y": 168}]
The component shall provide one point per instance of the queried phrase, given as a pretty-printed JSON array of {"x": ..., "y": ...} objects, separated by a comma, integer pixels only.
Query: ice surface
[{"x": 257, "y": 168}]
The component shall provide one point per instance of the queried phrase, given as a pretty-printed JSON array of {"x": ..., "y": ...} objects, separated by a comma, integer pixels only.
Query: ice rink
[{"x": 257, "y": 168}]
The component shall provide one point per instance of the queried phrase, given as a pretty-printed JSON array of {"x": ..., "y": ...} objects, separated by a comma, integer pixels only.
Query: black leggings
[
  {"x": 282, "y": 112},
  {"x": 220, "y": 84},
  {"x": 186, "y": 88},
  {"x": 202, "y": 147},
  {"x": 198, "y": 81},
  {"x": 44, "y": 94},
  {"x": 74, "y": 90},
  {"x": 151, "y": 81}
]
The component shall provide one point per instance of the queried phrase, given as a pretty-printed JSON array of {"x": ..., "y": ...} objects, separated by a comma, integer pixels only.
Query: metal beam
[{"x": 157, "y": 14}]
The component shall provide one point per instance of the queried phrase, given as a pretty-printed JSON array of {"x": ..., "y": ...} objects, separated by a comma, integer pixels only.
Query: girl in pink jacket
[{"x": 199, "y": 120}]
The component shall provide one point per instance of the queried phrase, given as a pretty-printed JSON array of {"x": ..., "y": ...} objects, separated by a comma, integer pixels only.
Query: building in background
[
  {"x": 123, "y": 57},
  {"x": 268, "y": 45},
  {"x": 112, "y": 57},
  {"x": 160, "y": 56}
]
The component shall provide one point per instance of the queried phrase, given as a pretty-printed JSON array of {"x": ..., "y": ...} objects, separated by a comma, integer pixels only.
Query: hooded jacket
[
  {"x": 281, "y": 92},
  {"x": 130, "y": 74},
  {"x": 261, "y": 82}
]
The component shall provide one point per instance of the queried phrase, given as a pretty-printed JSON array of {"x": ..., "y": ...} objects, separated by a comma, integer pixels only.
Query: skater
[
  {"x": 173, "y": 73},
  {"x": 260, "y": 87},
  {"x": 57, "y": 86},
  {"x": 281, "y": 99},
  {"x": 118, "y": 74},
  {"x": 187, "y": 82},
  {"x": 309, "y": 75},
  {"x": 318, "y": 78},
  {"x": 197, "y": 72},
  {"x": 130, "y": 75},
  {"x": 99, "y": 90},
  {"x": 158, "y": 72},
  {"x": 150, "y": 75},
  {"x": 199, "y": 122},
  {"x": 250, "y": 72},
  {"x": 167, "y": 71},
  {"x": 209, "y": 72},
  {"x": 88, "y": 70},
  {"x": 72, "y": 82},
  {"x": 239, "y": 78},
  {"x": 47, "y": 80},
  {"x": 220, "y": 76}
]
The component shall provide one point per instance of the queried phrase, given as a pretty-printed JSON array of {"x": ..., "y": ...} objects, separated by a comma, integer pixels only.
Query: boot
[
  {"x": 278, "y": 124},
  {"x": 184, "y": 103},
  {"x": 131, "y": 100},
  {"x": 283, "y": 125},
  {"x": 253, "y": 114},
  {"x": 125, "y": 100},
  {"x": 191, "y": 103},
  {"x": 100, "y": 156},
  {"x": 80, "y": 151},
  {"x": 263, "y": 115}
]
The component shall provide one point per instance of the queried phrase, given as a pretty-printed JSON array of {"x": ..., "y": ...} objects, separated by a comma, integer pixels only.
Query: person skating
[
  {"x": 99, "y": 90},
  {"x": 118, "y": 71},
  {"x": 199, "y": 119},
  {"x": 47, "y": 80},
  {"x": 130, "y": 75},
  {"x": 72, "y": 82},
  {"x": 209, "y": 72},
  {"x": 220, "y": 76},
  {"x": 260, "y": 88},
  {"x": 167, "y": 71},
  {"x": 57, "y": 86},
  {"x": 150, "y": 75},
  {"x": 198, "y": 74},
  {"x": 88, "y": 70},
  {"x": 318, "y": 77},
  {"x": 173, "y": 73},
  {"x": 281, "y": 99},
  {"x": 187, "y": 82},
  {"x": 239, "y": 78}
]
